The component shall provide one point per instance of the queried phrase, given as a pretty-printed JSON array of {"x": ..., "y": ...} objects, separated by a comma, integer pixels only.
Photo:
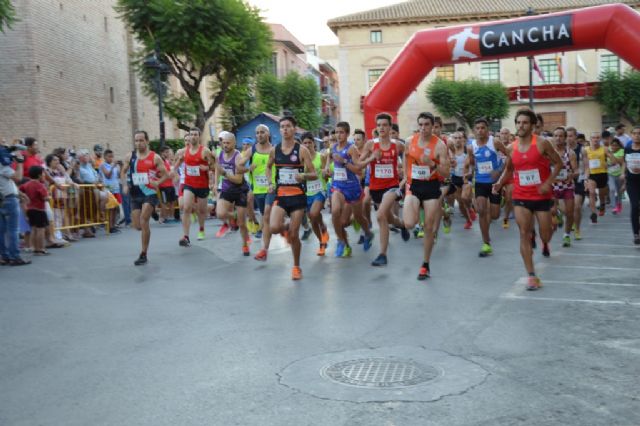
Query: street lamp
[
  {"x": 530, "y": 12},
  {"x": 153, "y": 62}
]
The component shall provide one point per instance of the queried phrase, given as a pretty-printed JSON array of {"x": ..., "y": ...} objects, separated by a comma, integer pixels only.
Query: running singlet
[
  {"x": 559, "y": 184},
  {"x": 486, "y": 162},
  {"x": 288, "y": 166},
  {"x": 458, "y": 170},
  {"x": 530, "y": 170},
  {"x": 580, "y": 161},
  {"x": 384, "y": 172},
  {"x": 317, "y": 185},
  {"x": 597, "y": 160},
  {"x": 343, "y": 178},
  {"x": 259, "y": 181},
  {"x": 632, "y": 160},
  {"x": 229, "y": 166},
  {"x": 615, "y": 169},
  {"x": 194, "y": 176},
  {"x": 415, "y": 168},
  {"x": 167, "y": 183},
  {"x": 145, "y": 171}
]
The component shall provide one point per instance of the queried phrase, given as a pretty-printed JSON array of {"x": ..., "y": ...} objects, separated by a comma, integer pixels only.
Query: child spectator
[{"x": 38, "y": 195}]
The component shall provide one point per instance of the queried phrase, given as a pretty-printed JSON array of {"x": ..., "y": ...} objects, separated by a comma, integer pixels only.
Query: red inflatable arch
[{"x": 613, "y": 27}]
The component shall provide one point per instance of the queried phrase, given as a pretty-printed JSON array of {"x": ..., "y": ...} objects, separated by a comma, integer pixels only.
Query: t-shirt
[
  {"x": 37, "y": 193},
  {"x": 31, "y": 160}
]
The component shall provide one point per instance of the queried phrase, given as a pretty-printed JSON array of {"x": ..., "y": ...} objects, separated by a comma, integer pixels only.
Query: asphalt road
[{"x": 204, "y": 336}]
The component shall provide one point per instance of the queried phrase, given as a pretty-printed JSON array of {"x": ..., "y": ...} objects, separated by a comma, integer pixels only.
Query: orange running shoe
[
  {"x": 322, "y": 250},
  {"x": 473, "y": 215},
  {"x": 296, "y": 273},
  {"x": 261, "y": 255},
  {"x": 223, "y": 230},
  {"x": 245, "y": 250},
  {"x": 325, "y": 238}
]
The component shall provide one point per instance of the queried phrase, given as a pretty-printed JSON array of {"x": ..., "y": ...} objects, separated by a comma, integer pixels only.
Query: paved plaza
[{"x": 204, "y": 336}]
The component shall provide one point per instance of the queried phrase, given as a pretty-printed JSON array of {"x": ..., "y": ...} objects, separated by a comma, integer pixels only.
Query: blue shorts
[
  {"x": 320, "y": 197},
  {"x": 351, "y": 194}
]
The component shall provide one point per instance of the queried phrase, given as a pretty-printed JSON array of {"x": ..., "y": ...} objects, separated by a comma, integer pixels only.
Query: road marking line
[
  {"x": 592, "y": 267},
  {"x": 566, "y": 253},
  {"x": 592, "y": 283},
  {"x": 560, "y": 299},
  {"x": 578, "y": 244}
]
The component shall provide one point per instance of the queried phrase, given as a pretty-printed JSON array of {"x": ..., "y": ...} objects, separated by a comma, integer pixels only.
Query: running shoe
[
  {"x": 361, "y": 239},
  {"x": 486, "y": 250},
  {"x": 184, "y": 242},
  {"x": 381, "y": 260},
  {"x": 261, "y": 255},
  {"x": 601, "y": 211},
  {"x": 636, "y": 239},
  {"x": 545, "y": 250},
  {"x": 324, "y": 238},
  {"x": 473, "y": 215},
  {"x": 368, "y": 241},
  {"x": 347, "y": 251},
  {"x": 447, "y": 209},
  {"x": 305, "y": 234},
  {"x": 594, "y": 218},
  {"x": 258, "y": 235},
  {"x": 200, "y": 235},
  {"x": 141, "y": 260},
  {"x": 447, "y": 224},
  {"x": 421, "y": 232},
  {"x": 423, "y": 274},
  {"x": 533, "y": 283},
  {"x": 322, "y": 250},
  {"x": 406, "y": 235},
  {"x": 505, "y": 223},
  {"x": 468, "y": 225},
  {"x": 566, "y": 241},
  {"x": 339, "y": 249},
  {"x": 155, "y": 216},
  {"x": 356, "y": 225},
  {"x": 222, "y": 231},
  {"x": 296, "y": 273},
  {"x": 576, "y": 235},
  {"x": 245, "y": 250}
]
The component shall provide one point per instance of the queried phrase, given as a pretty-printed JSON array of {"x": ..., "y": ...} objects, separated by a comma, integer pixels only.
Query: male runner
[
  {"x": 260, "y": 183},
  {"x": 505, "y": 138},
  {"x": 144, "y": 171},
  {"x": 563, "y": 186},
  {"x": 632, "y": 167},
  {"x": 574, "y": 143},
  {"x": 316, "y": 193},
  {"x": 596, "y": 174},
  {"x": 530, "y": 164}
]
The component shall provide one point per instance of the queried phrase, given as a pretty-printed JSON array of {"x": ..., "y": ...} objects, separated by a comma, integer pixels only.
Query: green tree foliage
[
  {"x": 619, "y": 95},
  {"x": 467, "y": 100},
  {"x": 269, "y": 99},
  {"x": 222, "y": 41},
  {"x": 239, "y": 106},
  {"x": 7, "y": 14},
  {"x": 174, "y": 144}
]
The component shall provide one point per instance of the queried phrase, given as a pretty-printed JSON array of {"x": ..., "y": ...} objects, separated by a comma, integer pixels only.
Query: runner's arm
[
  {"x": 163, "y": 173},
  {"x": 310, "y": 171},
  {"x": 549, "y": 151},
  {"x": 443, "y": 164},
  {"x": 367, "y": 155},
  {"x": 573, "y": 161},
  {"x": 585, "y": 164},
  {"x": 267, "y": 172},
  {"x": 125, "y": 166},
  {"x": 508, "y": 171}
]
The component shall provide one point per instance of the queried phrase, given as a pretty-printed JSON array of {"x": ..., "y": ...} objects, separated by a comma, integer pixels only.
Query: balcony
[{"x": 553, "y": 91}]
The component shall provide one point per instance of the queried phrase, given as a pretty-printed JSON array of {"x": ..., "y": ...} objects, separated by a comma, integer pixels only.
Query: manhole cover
[{"x": 380, "y": 372}]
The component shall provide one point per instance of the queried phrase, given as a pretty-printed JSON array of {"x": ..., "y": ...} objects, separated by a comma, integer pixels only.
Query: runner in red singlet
[{"x": 529, "y": 162}]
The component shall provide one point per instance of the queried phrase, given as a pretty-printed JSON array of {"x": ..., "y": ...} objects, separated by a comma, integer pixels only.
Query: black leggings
[{"x": 633, "y": 190}]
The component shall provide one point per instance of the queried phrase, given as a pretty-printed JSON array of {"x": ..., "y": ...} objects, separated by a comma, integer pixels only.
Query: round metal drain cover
[{"x": 380, "y": 372}]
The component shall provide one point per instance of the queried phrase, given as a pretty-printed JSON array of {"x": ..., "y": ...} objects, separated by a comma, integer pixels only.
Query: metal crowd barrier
[{"x": 78, "y": 206}]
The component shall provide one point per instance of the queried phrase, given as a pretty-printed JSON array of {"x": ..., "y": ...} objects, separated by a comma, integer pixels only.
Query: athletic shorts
[
  {"x": 137, "y": 202},
  {"x": 37, "y": 218},
  {"x": 319, "y": 197},
  {"x": 259, "y": 202},
  {"x": 425, "y": 190},
  {"x": 534, "y": 205},
  {"x": 168, "y": 194},
  {"x": 563, "y": 194},
  {"x": 239, "y": 198},
  {"x": 486, "y": 190},
  {"x": 378, "y": 194},
  {"x": 579, "y": 188},
  {"x": 351, "y": 195},
  {"x": 601, "y": 180},
  {"x": 181, "y": 190},
  {"x": 291, "y": 203},
  {"x": 198, "y": 192}
]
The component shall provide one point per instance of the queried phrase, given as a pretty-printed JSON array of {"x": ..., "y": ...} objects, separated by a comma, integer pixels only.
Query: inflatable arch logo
[{"x": 613, "y": 27}]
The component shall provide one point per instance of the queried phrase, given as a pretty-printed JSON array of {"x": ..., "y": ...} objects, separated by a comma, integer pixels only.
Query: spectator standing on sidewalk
[
  {"x": 38, "y": 196},
  {"x": 10, "y": 210}
]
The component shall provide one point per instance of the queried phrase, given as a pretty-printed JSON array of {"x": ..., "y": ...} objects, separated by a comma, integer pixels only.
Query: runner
[
  {"x": 316, "y": 194},
  {"x": 530, "y": 165},
  {"x": 384, "y": 183},
  {"x": 247, "y": 149},
  {"x": 426, "y": 162},
  {"x": 359, "y": 138},
  {"x": 483, "y": 157},
  {"x": 263, "y": 198},
  {"x": 291, "y": 160},
  {"x": 574, "y": 142},
  {"x": 347, "y": 195},
  {"x": 596, "y": 174},
  {"x": 144, "y": 171},
  {"x": 563, "y": 186},
  {"x": 460, "y": 188},
  {"x": 632, "y": 174},
  {"x": 507, "y": 191},
  {"x": 234, "y": 189},
  {"x": 198, "y": 162},
  {"x": 167, "y": 189},
  {"x": 614, "y": 169}
]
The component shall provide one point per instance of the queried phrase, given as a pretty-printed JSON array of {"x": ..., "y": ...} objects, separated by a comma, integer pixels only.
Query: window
[
  {"x": 490, "y": 71},
  {"x": 446, "y": 72},
  {"x": 274, "y": 63},
  {"x": 373, "y": 76},
  {"x": 549, "y": 68},
  {"x": 111, "y": 95},
  {"x": 376, "y": 36},
  {"x": 609, "y": 62}
]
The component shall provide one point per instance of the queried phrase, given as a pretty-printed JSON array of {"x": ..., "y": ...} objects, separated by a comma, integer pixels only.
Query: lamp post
[
  {"x": 530, "y": 12},
  {"x": 153, "y": 62}
]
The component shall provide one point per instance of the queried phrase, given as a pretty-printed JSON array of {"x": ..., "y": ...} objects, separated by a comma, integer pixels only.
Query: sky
[{"x": 307, "y": 20}]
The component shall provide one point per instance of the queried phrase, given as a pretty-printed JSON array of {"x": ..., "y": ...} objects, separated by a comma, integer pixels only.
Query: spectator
[
  {"x": 10, "y": 209},
  {"x": 32, "y": 156},
  {"x": 624, "y": 138},
  {"x": 110, "y": 177},
  {"x": 89, "y": 197},
  {"x": 97, "y": 159},
  {"x": 60, "y": 195},
  {"x": 37, "y": 193}
]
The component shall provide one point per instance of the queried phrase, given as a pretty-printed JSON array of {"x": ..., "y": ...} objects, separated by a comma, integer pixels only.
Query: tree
[
  {"x": 268, "y": 88},
  {"x": 619, "y": 95},
  {"x": 7, "y": 14},
  {"x": 469, "y": 99},
  {"x": 239, "y": 105},
  {"x": 221, "y": 41}
]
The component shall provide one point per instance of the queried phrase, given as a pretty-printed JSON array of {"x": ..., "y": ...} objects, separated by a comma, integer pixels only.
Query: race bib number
[
  {"x": 140, "y": 179},
  {"x": 633, "y": 161},
  {"x": 529, "y": 177},
  {"x": 562, "y": 175},
  {"x": 384, "y": 171},
  {"x": 339, "y": 174},
  {"x": 459, "y": 170},
  {"x": 616, "y": 168},
  {"x": 261, "y": 180},
  {"x": 314, "y": 186},
  {"x": 287, "y": 176},
  {"x": 485, "y": 167},
  {"x": 193, "y": 170},
  {"x": 594, "y": 164},
  {"x": 420, "y": 172}
]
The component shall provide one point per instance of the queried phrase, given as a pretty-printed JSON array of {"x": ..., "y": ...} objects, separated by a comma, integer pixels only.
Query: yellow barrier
[{"x": 78, "y": 206}]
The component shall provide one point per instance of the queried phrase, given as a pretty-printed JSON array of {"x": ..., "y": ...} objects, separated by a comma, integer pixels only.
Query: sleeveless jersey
[
  {"x": 458, "y": 170},
  {"x": 342, "y": 177},
  {"x": 415, "y": 168},
  {"x": 559, "y": 184},
  {"x": 580, "y": 162},
  {"x": 317, "y": 185},
  {"x": 145, "y": 171},
  {"x": 229, "y": 166},
  {"x": 288, "y": 166},
  {"x": 384, "y": 172},
  {"x": 530, "y": 170},
  {"x": 487, "y": 161},
  {"x": 258, "y": 176},
  {"x": 194, "y": 176},
  {"x": 167, "y": 183},
  {"x": 597, "y": 160},
  {"x": 632, "y": 160}
]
